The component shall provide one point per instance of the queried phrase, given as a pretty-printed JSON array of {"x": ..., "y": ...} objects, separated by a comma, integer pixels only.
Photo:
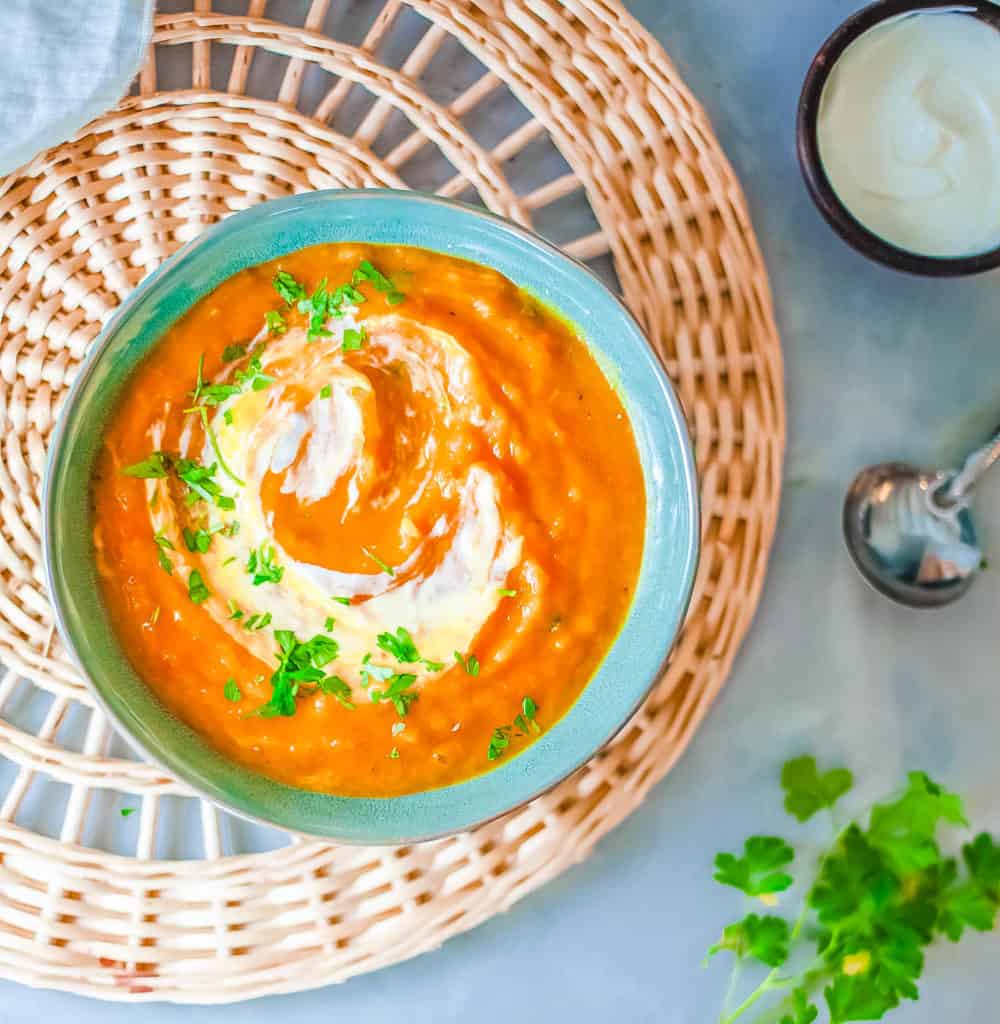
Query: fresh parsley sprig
[{"x": 883, "y": 892}]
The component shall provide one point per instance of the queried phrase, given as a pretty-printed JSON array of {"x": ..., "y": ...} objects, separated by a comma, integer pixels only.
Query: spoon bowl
[{"x": 911, "y": 535}]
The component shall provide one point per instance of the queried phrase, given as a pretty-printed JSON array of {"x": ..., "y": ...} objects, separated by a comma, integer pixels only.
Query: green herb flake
[
  {"x": 289, "y": 290},
  {"x": 198, "y": 592},
  {"x": 506, "y": 592},
  {"x": 330, "y": 623},
  {"x": 326, "y": 391},
  {"x": 198, "y": 541},
  {"x": 367, "y": 272},
  {"x": 227, "y": 417},
  {"x": 499, "y": 742},
  {"x": 232, "y": 692},
  {"x": 262, "y": 567},
  {"x": 127, "y": 811},
  {"x": 470, "y": 663},
  {"x": 257, "y": 622},
  {"x": 235, "y": 612},
  {"x": 398, "y": 692},
  {"x": 368, "y": 553},
  {"x": 342, "y": 600},
  {"x": 394, "y": 753},
  {"x": 335, "y": 687},
  {"x": 275, "y": 322},
  {"x": 354, "y": 339},
  {"x": 155, "y": 467},
  {"x": 233, "y": 352}
]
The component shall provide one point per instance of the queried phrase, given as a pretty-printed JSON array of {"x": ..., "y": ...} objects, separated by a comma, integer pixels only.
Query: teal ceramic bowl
[{"x": 671, "y": 542}]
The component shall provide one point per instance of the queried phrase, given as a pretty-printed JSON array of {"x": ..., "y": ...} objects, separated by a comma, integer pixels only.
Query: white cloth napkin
[{"x": 66, "y": 61}]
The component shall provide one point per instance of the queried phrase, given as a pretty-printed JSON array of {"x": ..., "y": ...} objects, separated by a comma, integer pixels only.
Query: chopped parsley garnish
[
  {"x": 163, "y": 545},
  {"x": 330, "y": 623},
  {"x": 233, "y": 352},
  {"x": 401, "y": 646},
  {"x": 227, "y": 417},
  {"x": 126, "y": 811},
  {"x": 317, "y": 306},
  {"x": 499, "y": 742},
  {"x": 367, "y": 272},
  {"x": 197, "y": 590},
  {"x": 300, "y": 670},
  {"x": 470, "y": 664},
  {"x": 342, "y": 600},
  {"x": 354, "y": 339},
  {"x": 275, "y": 322},
  {"x": 370, "y": 671},
  {"x": 507, "y": 592},
  {"x": 398, "y": 692},
  {"x": 524, "y": 723},
  {"x": 262, "y": 567},
  {"x": 199, "y": 540},
  {"x": 326, "y": 391},
  {"x": 368, "y": 553},
  {"x": 235, "y": 612},
  {"x": 201, "y": 483},
  {"x": 155, "y": 467},
  {"x": 257, "y": 622},
  {"x": 335, "y": 687},
  {"x": 232, "y": 692},
  {"x": 394, "y": 753},
  {"x": 287, "y": 287},
  {"x": 254, "y": 376}
]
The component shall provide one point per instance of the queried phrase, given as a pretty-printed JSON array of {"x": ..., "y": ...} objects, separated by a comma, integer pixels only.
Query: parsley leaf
[
  {"x": 806, "y": 791},
  {"x": 335, "y": 687},
  {"x": 394, "y": 753},
  {"x": 398, "y": 692},
  {"x": 233, "y": 352},
  {"x": 378, "y": 561},
  {"x": 257, "y": 622},
  {"x": 155, "y": 467},
  {"x": 764, "y": 938},
  {"x": 507, "y": 592},
  {"x": 499, "y": 742},
  {"x": 400, "y": 645},
  {"x": 287, "y": 287},
  {"x": 354, "y": 339},
  {"x": 253, "y": 376},
  {"x": 326, "y": 391},
  {"x": 367, "y": 272},
  {"x": 275, "y": 322},
  {"x": 342, "y": 600},
  {"x": 470, "y": 664},
  {"x": 197, "y": 540},
  {"x": 232, "y": 692},
  {"x": 126, "y": 811},
  {"x": 262, "y": 567},
  {"x": 163, "y": 545},
  {"x": 300, "y": 671},
  {"x": 755, "y": 872},
  {"x": 197, "y": 590}
]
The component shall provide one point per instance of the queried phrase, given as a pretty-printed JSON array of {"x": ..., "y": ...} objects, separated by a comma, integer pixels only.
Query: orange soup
[{"x": 368, "y": 518}]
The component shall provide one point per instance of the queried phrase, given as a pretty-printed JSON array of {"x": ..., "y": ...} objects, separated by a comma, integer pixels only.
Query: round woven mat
[{"x": 560, "y": 113}]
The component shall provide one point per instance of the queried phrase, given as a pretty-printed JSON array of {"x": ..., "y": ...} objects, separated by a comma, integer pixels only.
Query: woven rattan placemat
[{"x": 560, "y": 113}]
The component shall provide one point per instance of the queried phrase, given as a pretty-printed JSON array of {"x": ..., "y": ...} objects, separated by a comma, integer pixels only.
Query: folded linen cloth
[{"x": 66, "y": 62}]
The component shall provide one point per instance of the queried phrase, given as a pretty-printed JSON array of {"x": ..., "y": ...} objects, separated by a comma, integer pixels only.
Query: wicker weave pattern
[{"x": 84, "y": 223}]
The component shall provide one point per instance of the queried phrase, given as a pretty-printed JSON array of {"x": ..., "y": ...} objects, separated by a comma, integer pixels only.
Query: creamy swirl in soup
[{"x": 368, "y": 518}]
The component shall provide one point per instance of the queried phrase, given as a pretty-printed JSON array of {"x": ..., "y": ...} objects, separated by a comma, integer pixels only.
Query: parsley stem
[{"x": 214, "y": 442}]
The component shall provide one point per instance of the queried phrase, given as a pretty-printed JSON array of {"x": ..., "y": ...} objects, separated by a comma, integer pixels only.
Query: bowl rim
[
  {"x": 180, "y": 768},
  {"x": 821, "y": 190}
]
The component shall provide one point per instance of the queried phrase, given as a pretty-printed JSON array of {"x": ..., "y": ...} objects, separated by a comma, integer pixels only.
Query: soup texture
[{"x": 368, "y": 518}]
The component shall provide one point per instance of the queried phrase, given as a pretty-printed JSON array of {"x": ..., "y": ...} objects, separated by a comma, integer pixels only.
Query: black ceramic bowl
[{"x": 836, "y": 214}]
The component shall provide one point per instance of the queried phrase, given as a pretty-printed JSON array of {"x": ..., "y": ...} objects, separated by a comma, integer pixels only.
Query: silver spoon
[{"x": 910, "y": 531}]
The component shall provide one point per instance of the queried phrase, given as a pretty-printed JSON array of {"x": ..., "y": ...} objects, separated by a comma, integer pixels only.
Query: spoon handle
[{"x": 975, "y": 465}]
